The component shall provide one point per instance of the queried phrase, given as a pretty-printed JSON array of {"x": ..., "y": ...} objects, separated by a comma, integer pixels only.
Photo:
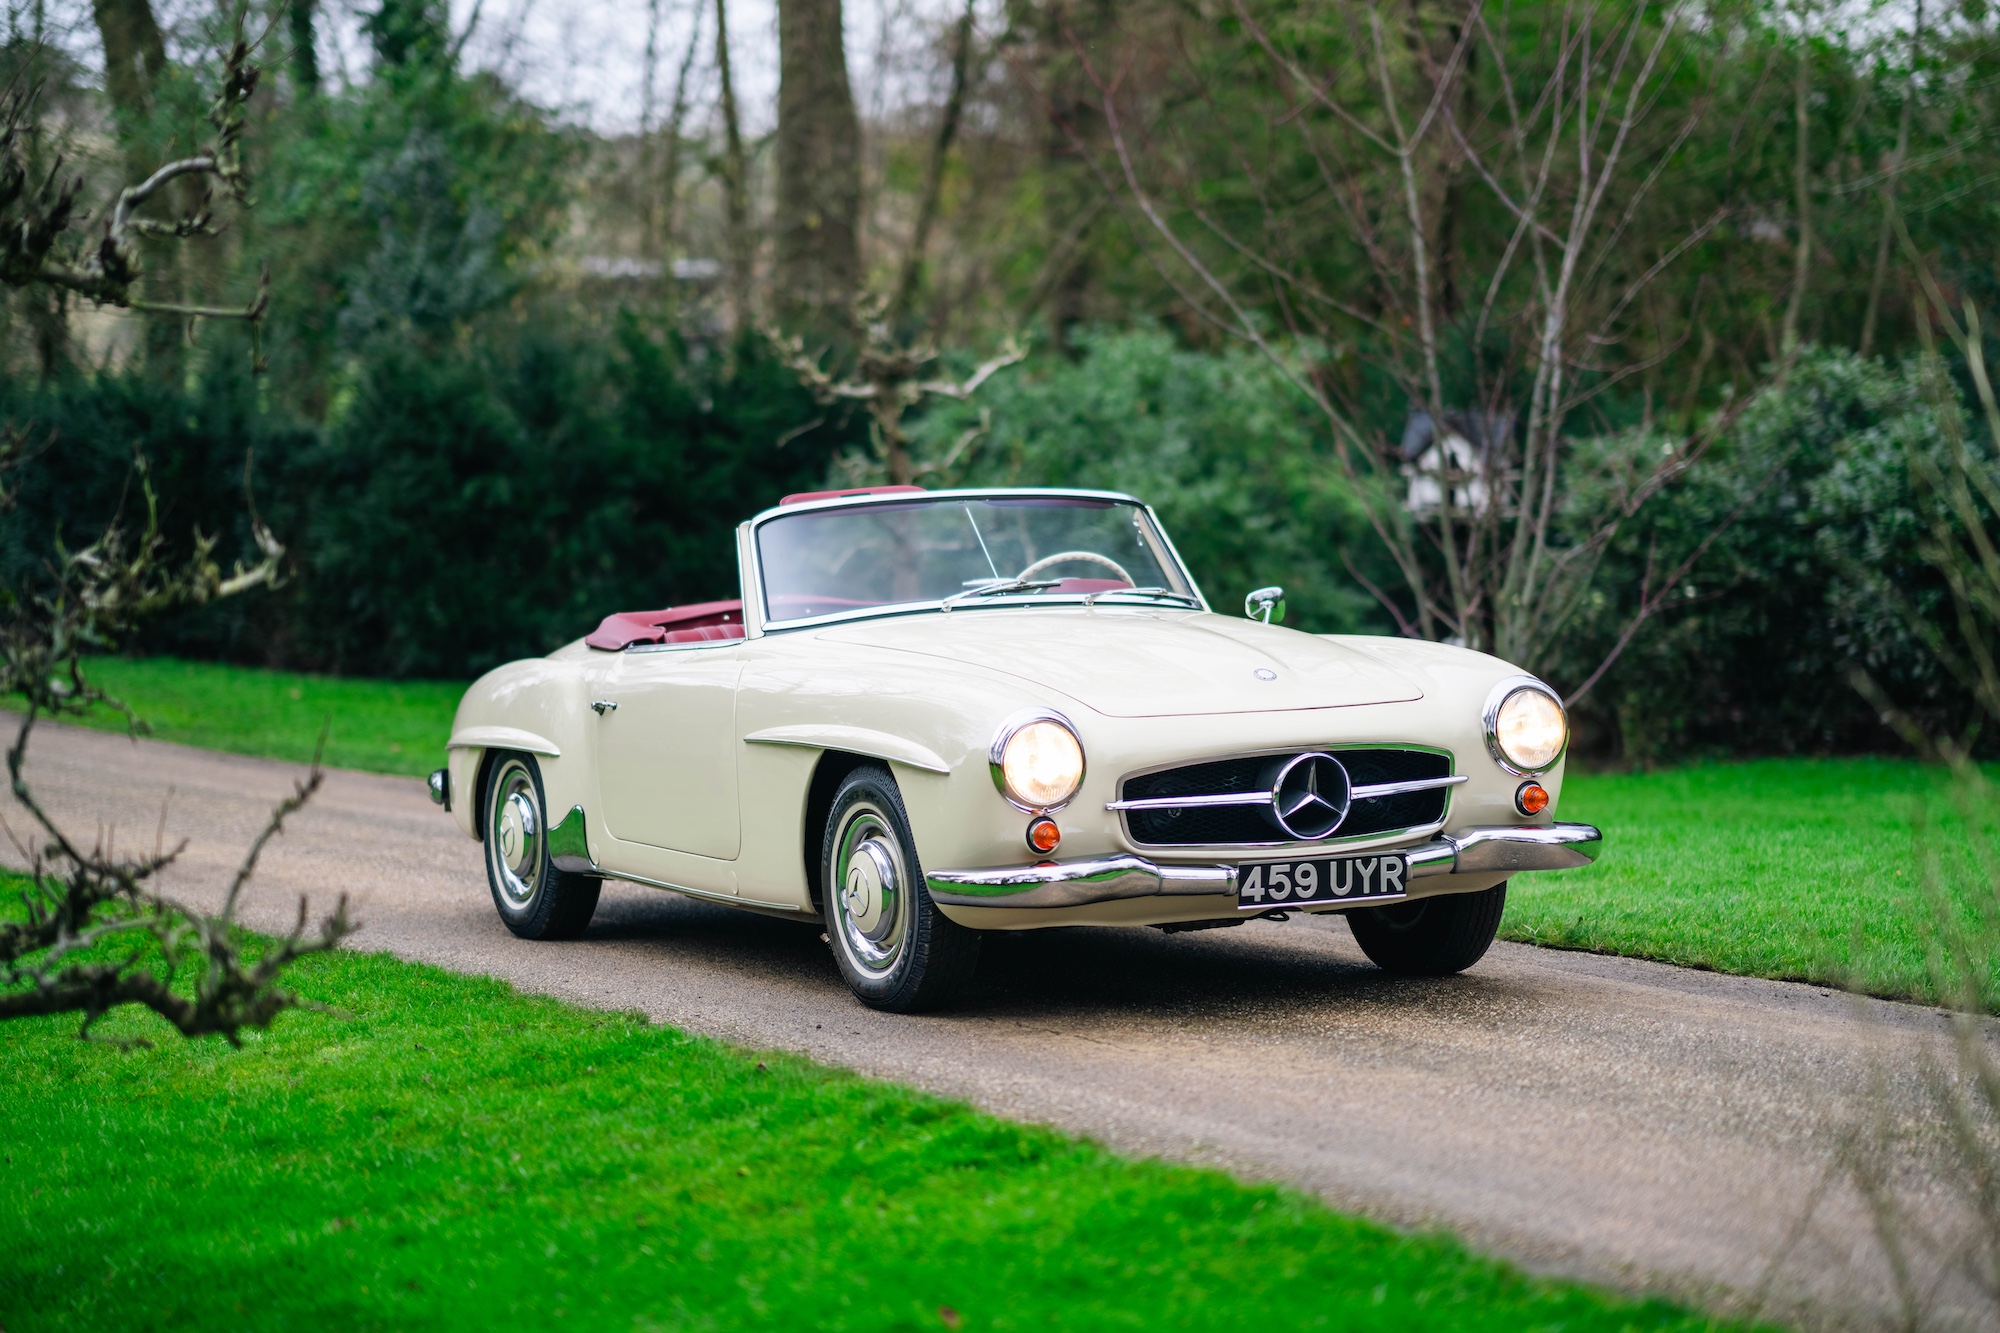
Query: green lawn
[
  {"x": 1796, "y": 868},
  {"x": 1809, "y": 869},
  {"x": 451, "y": 1154},
  {"x": 377, "y": 725}
]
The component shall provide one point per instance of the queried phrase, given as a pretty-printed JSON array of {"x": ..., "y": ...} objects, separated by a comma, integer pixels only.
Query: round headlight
[
  {"x": 1529, "y": 729},
  {"x": 1040, "y": 764}
]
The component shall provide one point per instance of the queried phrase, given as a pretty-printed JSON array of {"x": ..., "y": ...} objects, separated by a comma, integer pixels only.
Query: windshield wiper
[
  {"x": 995, "y": 589},
  {"x": 1140, "y": 592}
]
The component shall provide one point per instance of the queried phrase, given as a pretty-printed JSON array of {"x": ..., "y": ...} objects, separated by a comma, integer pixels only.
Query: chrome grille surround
[{"x": 1223, "y": 809}]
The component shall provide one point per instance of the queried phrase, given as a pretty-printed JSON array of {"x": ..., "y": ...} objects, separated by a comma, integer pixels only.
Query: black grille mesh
[{"x": 1221, "y": 824}]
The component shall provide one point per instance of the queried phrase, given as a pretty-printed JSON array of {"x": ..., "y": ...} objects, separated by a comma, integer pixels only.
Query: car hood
[{"x": 1126, "y": 663}]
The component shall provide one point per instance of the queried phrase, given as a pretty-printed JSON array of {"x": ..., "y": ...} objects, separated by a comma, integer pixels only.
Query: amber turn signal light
[
  {"x": 1532, "y": 798},
  {"x": 1043, "y": 835}
]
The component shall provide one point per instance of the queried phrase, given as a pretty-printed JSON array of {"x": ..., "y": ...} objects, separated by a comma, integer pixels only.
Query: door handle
[{"x": 603, "y": 706}]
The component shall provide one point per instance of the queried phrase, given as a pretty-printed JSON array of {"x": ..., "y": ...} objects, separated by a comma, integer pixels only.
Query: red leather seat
[{"x": 703, "y": 634}]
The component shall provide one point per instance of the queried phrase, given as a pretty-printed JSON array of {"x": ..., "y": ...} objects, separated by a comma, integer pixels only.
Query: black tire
[
  {"x": 1430, "y": 937},
  {"x": 535, "y": 900},
  {"x": 895, "y": 949}
]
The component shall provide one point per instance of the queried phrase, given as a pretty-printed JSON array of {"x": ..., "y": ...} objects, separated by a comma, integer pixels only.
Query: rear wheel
[
  {"x": 1430, "y": 937},
  {"x": 536, "y": 900},
  {"x": 896, "y": 950}
]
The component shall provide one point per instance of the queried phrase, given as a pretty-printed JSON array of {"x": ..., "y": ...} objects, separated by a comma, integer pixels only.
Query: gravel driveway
[{"x": 1627, "y": 1122}]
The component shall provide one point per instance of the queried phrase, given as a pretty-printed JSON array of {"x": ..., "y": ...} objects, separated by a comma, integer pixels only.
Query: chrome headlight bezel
[
  {"x": 996, "y": 756},
  {"x": 1496, "y": 700}
]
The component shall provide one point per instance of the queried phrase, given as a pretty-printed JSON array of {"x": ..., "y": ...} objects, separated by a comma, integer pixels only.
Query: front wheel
[
  {"x": 896, "y": 950},
  {"x": 1430, "y": 937},
  {"x": 536, "y": 900}
]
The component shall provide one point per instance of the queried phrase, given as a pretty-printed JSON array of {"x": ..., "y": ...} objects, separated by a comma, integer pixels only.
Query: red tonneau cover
[
  {"x": 804, "y": 496},
  {"x": 697, "y": 622}
]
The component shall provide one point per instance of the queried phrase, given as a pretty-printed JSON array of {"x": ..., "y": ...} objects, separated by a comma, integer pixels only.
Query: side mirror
[{"x": 1265, "y": 604}]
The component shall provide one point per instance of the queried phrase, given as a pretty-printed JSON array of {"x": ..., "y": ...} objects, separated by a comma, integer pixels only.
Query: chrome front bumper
[{"x": 1474, "y": 851}]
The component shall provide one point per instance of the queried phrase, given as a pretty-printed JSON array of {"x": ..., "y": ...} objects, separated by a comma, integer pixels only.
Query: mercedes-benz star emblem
[{"x": 1309, "y": 798}]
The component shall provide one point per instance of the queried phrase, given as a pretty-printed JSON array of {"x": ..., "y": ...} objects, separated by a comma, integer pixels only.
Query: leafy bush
[{"x": 1754, "y": 655}]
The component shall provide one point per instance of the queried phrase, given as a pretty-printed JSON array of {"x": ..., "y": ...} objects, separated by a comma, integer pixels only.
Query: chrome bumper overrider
[{"x": 1105, "y": 878}]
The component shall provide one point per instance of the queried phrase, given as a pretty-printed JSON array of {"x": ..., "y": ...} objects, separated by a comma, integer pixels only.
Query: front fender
[{"x": 537, "y": 706}]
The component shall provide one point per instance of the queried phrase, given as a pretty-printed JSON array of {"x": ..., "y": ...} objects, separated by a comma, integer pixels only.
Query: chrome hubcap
[
  {"x": 871, "y": 902},
  {"x": 515, "y": 834}
]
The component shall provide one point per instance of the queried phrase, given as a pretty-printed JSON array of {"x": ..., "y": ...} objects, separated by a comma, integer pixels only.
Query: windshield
[{"x": 962, "y": 551}]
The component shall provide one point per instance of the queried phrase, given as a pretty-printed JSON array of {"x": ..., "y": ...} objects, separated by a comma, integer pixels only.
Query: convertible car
[{"x": 933, "y": 714}]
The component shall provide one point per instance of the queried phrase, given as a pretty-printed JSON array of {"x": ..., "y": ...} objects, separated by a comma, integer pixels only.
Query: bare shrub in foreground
[{"x": 96, "y": 931}]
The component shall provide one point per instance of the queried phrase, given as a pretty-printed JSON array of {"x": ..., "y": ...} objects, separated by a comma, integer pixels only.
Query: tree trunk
[
  {"x": 134, "y": 56},
  {"x": 670, "y": 174},
  {"x": 1889, "y": 188},
  {"x": 1788, "y": 338},
  {"x": 1070, "y": 129},
  {"x": 819, "y": 168},
  {"x": 933, "y": 190},
  {"x": 305, "y": 48},
  {"x": 735, "y": 186}
]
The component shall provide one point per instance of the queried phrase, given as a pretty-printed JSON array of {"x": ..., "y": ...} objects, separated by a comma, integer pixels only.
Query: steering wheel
[{"x": 1063, "y": 557}]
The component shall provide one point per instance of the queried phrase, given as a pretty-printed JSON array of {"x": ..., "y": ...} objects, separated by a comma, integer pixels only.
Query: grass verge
[
  {"x": 452, "y": 1154},
  {"x": 381, "y": 726},
  {"x": 1800, "y": 869}
]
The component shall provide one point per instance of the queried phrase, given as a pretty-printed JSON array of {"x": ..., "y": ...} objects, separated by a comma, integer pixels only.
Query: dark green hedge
[{"x": 458, "y": 509}]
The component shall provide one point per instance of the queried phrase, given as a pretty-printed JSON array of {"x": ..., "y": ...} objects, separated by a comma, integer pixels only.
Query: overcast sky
[{"x": 587, "y": 58}]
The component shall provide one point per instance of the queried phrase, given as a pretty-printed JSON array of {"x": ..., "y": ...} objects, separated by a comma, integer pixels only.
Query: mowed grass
[
  {"x": 381, "y": 726},
  {"x": 1826, "y": 870},
  {"x": 450, "y": 1154}
]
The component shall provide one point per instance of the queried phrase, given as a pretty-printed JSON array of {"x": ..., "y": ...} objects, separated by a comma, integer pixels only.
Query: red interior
[
  {"x": 713, "y": 622},
  {"x": 697, "y": 622}
]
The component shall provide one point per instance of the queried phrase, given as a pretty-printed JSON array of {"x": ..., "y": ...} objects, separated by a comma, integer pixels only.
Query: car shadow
[{"x": 1242, "y": 972}]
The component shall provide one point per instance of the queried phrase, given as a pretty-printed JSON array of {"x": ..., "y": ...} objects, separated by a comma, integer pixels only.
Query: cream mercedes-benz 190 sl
[{"x": 934, "y": 714}]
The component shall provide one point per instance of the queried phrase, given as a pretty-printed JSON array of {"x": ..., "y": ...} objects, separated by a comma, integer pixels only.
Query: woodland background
[{"x": 1657, "y": 268}]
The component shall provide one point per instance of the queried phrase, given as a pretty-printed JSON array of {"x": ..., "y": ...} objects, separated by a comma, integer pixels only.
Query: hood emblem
[
  {"x": 1310, "y": 795},
  {"x": 1265, "y": 673}
]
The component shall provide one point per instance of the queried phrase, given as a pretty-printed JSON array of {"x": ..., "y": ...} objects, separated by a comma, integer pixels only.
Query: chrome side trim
[
  {"x": 706, "y": 895},
  {"x": 1367, "y": 793},
  {"x": 1106, "y": 878},
  {"x": 1509, "y": 848},
  {"x": 502, "y": 738},
  {"x": 1075, "y": 883},
  {"x": 569, "y": 845}
]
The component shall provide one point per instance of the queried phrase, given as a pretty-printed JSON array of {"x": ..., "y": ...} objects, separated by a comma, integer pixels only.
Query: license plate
[{"x": 1328, "y": 880}]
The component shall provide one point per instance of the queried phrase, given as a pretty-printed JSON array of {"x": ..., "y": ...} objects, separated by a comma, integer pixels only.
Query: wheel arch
[
  {"x": 829, "y": 772},
  {"x": 482, "y": 771}
]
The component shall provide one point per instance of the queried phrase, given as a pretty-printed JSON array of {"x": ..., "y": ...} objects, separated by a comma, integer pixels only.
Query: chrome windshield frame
[{"x": 749, "y": 554}]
